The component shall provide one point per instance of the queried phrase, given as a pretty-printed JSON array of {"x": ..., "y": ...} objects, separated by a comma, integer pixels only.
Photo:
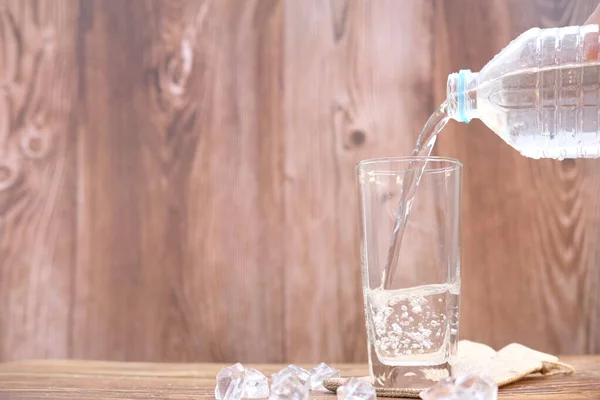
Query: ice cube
[
  {"x": 319, "y": 373},
  {"x": 463, "y": 386},
  {"x": 293, "y": 370},
  {"x": 356, "y": 389},
  {"x": 256, "y": 385},
  {"x": 287, "y": 386},
  {"x": 230, "y": 382}
]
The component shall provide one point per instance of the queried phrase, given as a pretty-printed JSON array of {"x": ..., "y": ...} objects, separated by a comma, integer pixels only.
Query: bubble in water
[
  {"x": 417, "y": 301},
  {"x": 410, "y": 325}
]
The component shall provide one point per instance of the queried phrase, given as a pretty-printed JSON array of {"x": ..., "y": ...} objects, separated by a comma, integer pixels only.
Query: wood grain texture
[
  {"x": 135, "y": 137},
  {"x": 81, "y": 380},
  {"x": 182, "y": 125},
  {"x": 348, "y": 96},
  {"x": 37, "y": 177},
  {"x": 234, "y": 271},
  {"x": 177, "y": 178}
]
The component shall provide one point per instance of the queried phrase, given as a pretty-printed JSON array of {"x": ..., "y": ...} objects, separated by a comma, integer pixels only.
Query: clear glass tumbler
[{"x": 412, "y": 325}]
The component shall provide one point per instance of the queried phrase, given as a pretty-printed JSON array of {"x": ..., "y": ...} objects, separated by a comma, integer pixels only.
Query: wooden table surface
[{"x": 93, "y": 380}]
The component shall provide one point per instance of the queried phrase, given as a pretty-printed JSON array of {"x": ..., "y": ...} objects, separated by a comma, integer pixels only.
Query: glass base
[{"x": 408, "y": 376}]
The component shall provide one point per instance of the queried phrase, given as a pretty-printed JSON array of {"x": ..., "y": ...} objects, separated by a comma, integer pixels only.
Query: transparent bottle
[{"x": 540, "y": 94}]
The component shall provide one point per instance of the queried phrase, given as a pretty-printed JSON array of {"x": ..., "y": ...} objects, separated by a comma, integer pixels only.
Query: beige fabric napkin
[{"x": 505, "y": 366}]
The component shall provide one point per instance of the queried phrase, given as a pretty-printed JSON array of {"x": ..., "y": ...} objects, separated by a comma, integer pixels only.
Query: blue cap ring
[{"x": 461, "y": 95}]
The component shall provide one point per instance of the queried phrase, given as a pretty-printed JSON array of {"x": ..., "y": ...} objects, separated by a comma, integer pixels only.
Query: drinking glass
[{"x": 412, "y": 321}]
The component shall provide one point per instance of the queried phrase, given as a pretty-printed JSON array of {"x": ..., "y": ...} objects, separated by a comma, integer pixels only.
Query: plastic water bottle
[{"x": 540, "y": 94}]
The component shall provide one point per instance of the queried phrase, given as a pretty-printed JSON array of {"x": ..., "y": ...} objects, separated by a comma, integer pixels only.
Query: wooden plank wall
[{"x": 177, "y": 177}]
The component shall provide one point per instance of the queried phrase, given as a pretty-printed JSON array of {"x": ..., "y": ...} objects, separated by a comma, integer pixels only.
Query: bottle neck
[{"x": 462, "y": 96}]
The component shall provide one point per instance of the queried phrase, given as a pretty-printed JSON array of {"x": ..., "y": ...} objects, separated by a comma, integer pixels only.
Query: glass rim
[{"x": 451, "y": 164}]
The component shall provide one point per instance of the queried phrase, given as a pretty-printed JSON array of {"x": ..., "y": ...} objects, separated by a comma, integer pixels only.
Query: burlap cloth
[{"x": 505, "y": 366}]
